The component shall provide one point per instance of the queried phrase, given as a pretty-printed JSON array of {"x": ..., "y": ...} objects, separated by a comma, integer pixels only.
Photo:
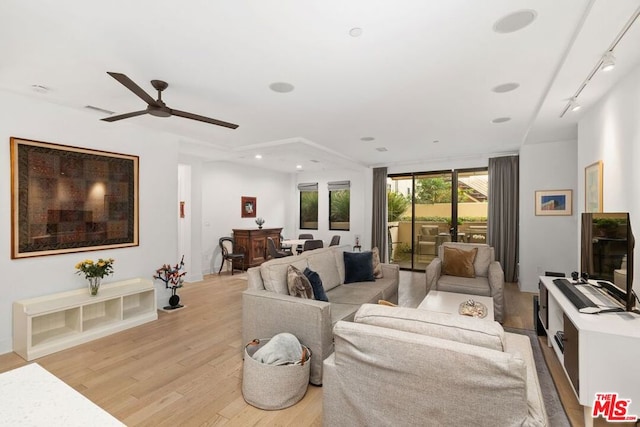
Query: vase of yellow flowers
[{"x": 94, "y": 271}]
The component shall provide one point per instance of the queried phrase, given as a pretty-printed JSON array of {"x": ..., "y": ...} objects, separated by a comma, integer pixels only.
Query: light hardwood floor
[{"x": 186, "y": 368}]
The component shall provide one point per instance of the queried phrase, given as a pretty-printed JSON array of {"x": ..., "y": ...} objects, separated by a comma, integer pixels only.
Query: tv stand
[{"x": 600, "y": 352}]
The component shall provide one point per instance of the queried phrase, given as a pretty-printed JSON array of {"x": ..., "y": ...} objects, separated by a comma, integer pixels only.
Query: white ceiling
[{"x": 421, "y": 71}]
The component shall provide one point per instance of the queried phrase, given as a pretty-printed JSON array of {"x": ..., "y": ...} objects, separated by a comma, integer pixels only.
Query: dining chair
[
  {"x": 230, "y": 252},
  {"x": 273, "y": 251},
  {"x": 335, "y": 240},
  {"x": 307, "y": 236},
  {"x": 286, "y": 248},
  {"x": 312, "y": 244}
]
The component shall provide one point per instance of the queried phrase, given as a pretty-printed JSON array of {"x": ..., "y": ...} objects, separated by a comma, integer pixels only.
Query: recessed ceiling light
[
  {"x": 501, "y": 120},
  {"x": 367, "y": 138},
  {"x": 355, "y": 32},
  {"x": 281, "y": 87},
  {"x": 506, "y": 87},
  {"x": 40, "y": 88},
  {"x": 298, "y": 166},
  {"x": 381, "y": 149},
  {"x": 514, "y": 21},
  {"x": 258, "y": 156}
]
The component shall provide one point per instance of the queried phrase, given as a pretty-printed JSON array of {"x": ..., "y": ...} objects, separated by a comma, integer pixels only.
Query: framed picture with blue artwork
[{"x": 554, "y": 202}]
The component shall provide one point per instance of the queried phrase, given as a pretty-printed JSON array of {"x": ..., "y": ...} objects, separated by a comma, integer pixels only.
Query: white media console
[
  {"x": 51, "y": 323},
  {"x": 601, "y": 352}
]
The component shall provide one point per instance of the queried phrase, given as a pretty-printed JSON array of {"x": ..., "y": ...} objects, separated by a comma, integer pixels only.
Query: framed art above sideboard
[{"x": 248, "y": 207}]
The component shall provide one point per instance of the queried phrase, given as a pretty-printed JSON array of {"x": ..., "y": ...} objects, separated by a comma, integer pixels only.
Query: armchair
[{"x": 488, "y": 280}]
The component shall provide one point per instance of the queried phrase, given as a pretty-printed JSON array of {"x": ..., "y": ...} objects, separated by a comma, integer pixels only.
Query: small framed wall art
[
  {"x": 248, "y": 208},
  {"x": 593, "y": 187},
  {"x": 554, "y": 202}
]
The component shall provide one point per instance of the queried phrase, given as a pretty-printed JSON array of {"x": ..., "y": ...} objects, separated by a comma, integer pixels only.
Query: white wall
[
  {"x": 547, "y": 243},
  {"x": 223, "y": 184},
  {"x": 360, "y": 205},
  {"x": 610, "y": 131},
  {"x": 30, "y": 118}
]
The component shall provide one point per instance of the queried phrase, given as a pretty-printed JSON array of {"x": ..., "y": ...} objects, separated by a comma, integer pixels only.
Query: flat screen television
[{"x": 607, "y": 253}]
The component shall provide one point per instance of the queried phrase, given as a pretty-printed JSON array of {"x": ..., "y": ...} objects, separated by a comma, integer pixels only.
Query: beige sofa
[
  {"x": 268, "y": 309},
  {"x": 488, "y": 280},
  {"x": 406, "y": 366}
]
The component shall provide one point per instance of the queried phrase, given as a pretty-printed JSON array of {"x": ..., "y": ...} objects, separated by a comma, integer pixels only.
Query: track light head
[
  {"x": 574, "y": 105},
  {"x": 608, "y": 61}
]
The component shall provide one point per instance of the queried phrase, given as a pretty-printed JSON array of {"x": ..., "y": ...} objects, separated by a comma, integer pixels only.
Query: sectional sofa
[{"x": 268, "y": 309}]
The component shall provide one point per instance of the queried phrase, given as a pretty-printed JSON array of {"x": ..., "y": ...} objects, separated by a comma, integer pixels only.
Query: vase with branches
[{"x": 173, "y": 279}]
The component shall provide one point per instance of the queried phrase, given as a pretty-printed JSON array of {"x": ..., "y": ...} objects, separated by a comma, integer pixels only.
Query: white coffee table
[{"x": 449, "y": 302}]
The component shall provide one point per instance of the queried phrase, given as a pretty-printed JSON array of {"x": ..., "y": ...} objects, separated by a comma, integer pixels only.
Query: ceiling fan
[{"x": 157, "y": 107}]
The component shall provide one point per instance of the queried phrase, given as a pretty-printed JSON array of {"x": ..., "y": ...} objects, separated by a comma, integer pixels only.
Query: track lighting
[
  {"x": 608, "y": 61},
  {"x": 574, "y": 105}
]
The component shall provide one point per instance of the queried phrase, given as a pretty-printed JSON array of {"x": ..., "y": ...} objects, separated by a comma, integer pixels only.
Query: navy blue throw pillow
[
  {"x": 316, "y": 284},
  {"x": 358, "y": 267}
]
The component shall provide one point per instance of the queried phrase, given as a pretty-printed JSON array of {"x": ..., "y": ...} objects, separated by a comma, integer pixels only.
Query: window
[
  {"x": 439, "y": 206},
  {"x": 308, "y": 206},
  {"x": 339, "y": 204}
]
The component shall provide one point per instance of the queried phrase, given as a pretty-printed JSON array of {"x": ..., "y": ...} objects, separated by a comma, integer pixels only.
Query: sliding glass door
[{"x": 429, "y": 208}]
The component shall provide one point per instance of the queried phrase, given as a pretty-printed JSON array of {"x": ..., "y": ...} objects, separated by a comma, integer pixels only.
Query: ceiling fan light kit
[{"x": 157, "y": 107}]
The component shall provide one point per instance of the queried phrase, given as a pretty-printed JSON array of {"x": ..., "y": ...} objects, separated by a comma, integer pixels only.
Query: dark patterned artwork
[{"x": 68, "y": 199}]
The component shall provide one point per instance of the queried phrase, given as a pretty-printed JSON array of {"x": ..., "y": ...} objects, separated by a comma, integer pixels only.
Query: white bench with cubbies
[{"x": 51, "y": 323}]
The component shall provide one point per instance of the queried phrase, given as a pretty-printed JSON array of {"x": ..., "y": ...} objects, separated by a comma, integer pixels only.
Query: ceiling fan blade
[
  {"x": 202, "y": 119},
  {"x": 133, "y": 87},
  {"x": 124, "y": 116}
]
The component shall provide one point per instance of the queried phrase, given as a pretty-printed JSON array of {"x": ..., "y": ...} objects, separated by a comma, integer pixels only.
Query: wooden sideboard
[{"x": 254, "y": 243}]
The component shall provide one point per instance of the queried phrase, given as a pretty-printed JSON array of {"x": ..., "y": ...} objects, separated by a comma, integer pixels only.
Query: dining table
[{"x": 293, "y": 242}]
